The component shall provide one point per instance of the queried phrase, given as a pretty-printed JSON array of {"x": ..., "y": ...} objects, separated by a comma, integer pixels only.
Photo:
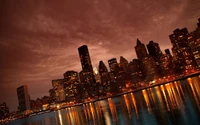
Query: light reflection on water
[{"x": 175, "y": 103}]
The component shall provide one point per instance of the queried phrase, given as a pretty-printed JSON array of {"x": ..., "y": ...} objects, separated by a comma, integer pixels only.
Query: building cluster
[
  {"x": 4, "y": 111},
  {"x": 25, "y": 103},
  {"x": 151, "y": 65}
]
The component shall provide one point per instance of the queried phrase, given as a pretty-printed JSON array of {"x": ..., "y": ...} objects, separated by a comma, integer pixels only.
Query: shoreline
[{"x": 138, "y": 89}]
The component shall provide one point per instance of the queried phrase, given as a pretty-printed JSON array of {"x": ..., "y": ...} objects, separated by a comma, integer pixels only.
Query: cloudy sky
[{"x": 39, "y": 38}]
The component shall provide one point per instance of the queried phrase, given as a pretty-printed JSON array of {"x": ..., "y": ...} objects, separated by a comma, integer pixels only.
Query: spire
[{"x": 138, "y": 42}]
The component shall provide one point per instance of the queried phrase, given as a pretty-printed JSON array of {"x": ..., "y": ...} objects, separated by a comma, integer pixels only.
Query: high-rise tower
[
  {"x": 112, "y": 64},
  {"x": 155, "y": 53},
  {"x": 23, "y": 98},
  {"x": 124, "y": 63},
  {"x": 85, "y": 59},
  {"x": 181, "y": 50},
  {"x": 194, "y": 43},
  {"x": 140, "y": 50},
  {"x": 154, "y": 50}
]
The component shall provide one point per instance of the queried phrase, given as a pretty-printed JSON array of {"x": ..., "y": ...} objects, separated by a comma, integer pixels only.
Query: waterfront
[{"x": 174, "y": 103}]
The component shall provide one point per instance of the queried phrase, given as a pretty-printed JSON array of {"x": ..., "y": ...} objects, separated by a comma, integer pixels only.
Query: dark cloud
[{"x": 39, "y": 38}]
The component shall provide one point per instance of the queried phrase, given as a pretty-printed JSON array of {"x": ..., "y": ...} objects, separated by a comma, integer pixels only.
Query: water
[{"x": 175, "y": 103}]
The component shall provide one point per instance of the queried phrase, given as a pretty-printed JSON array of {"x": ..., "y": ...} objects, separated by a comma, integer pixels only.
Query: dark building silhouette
[
  {"x": 117, "y": 74},
  {"x": 124, "y": 63},
  {"x": 140, "y": 50},
  {"x": 112, "y": 64},
  {"x": 166, "y": 64},
  {"x": 156, "y": 53},
  {"x": 167, "y": 52},
  {"x": 52, "y": 95},
  {"x": 86, "y": 76},
  {"x": 154, "y": 50},
  {"x": 150, "y": 68},
  {"x": 85, "y": 59},
  {"x": 103, "y": 72},
  {"x": 4, "y": 111},
  {"x": 181, "y": 51},
  {"x": 135, "y": 71},
  {"x": 23, "y": 98},
  {"x": 105, "y": 78},
  {"x": 198, "y": 24}
]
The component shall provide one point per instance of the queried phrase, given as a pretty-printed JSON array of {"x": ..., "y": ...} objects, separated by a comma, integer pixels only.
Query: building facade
[
  {"x": 23, "y": 98},
  {"x": 181, "y": 50},
  {"x": 194, "y": 43},
  {"x": 58, "y": 86},
  {"x": 140, "y": 50}
]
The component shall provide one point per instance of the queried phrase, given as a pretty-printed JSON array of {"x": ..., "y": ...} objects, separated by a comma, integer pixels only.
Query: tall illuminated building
[
  {"x": 140, "y": 50},
  {"x": 181, "y": 50},
  {"x": 194, "y": 43},
  {"x": 104, "y": 76},
  {"x": 113, "y": 65},
  {"x": 85, "y": 59},
  {"x": 58, "y": 86},
  {"x": 155, "y": 52},
  {"x": 87, "y": 74},
  {"x": 23, "y": 98},
  {"x": 166, "y": 64},
  {"x": 70, "y": 84}
]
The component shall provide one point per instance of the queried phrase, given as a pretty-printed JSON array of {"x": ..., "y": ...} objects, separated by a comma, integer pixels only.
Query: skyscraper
[
  {"x": 140, "y": 50},
  {"x": 167, "y": 65},
  {"x": 58, "y": 87},
  {"x": 70, "y": 83},
  {"x": 150, "y": 68},
  {"x": 124, "y": 63},
  {"x": 23, "y": 98},
  {"x": 71, "y": 76},
  {"x": 112, "y": 64},
  {"x": 85, "y": 59},
  {"x": 194, "y": 43},
  {"x": 135, "y": 71},
  {"x": 181, "y": 50},
  {"x": 154, "y": 50}
]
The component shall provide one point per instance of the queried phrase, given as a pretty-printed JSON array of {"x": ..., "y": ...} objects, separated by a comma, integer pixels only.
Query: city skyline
[{"x": 41, "y": 60}]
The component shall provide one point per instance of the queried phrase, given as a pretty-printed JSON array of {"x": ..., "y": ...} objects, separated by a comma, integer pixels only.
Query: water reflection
[{"x": 172, "y": 103}]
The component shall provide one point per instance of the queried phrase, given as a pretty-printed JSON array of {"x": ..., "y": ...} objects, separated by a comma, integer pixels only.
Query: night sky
[{"x": 39, "y": 38}]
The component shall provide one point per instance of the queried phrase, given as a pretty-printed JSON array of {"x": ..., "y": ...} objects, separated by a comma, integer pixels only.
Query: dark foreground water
[{"x": 176, "y": 103}]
